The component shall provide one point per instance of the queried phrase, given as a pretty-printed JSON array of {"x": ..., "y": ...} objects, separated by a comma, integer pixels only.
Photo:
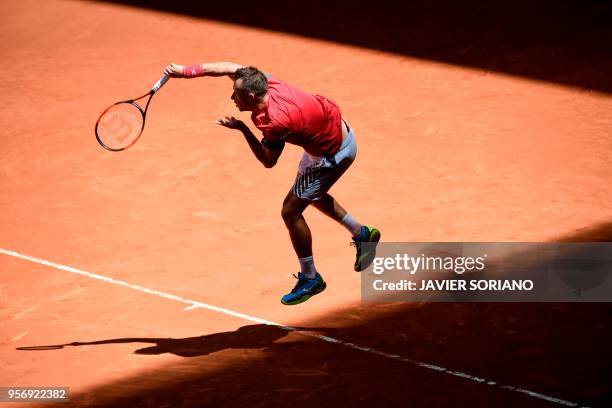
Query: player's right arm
[{"x": 214, "y": 69}]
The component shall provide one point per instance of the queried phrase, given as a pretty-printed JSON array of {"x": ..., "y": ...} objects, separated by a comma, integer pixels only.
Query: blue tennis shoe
[{"x": 304, "y": 289}]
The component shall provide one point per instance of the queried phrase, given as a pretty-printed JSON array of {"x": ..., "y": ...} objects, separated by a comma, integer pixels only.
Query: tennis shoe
[
  {"x": 365, "y": 253},
  {"x": 304, "y": 289}
]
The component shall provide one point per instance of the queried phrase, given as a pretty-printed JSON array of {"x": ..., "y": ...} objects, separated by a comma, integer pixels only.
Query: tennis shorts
[{"x": 317, "y": 174}]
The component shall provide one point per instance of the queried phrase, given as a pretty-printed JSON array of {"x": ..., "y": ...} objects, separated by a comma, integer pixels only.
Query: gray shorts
[{"x": 317, "y": 174}]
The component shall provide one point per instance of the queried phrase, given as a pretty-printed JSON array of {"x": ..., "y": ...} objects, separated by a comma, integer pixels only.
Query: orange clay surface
[{"x": 446, "y": 153}]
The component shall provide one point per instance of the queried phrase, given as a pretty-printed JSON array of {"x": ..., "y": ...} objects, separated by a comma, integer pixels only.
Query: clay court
[{"x": 160, "y": 268}]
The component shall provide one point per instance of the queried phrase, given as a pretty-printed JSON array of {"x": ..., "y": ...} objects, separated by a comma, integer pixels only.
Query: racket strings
[{"x": 120, "y": 126}]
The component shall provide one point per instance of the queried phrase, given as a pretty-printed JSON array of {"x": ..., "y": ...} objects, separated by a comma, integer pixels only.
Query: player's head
[{"x": 250, "y": 88}]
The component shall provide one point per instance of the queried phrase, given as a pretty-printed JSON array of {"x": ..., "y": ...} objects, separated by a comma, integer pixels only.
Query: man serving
[{"x": 285, "y": 114}]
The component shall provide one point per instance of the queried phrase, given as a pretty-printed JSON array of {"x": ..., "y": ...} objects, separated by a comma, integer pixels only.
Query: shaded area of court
[
  {"x": 547, "y": 348},
  {"x": 564, "y": 42},
  {"x": 559, "y": 350}
]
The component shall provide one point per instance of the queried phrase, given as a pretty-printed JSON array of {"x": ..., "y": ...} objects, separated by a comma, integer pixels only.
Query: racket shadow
[{"x": 258, "y": 336}]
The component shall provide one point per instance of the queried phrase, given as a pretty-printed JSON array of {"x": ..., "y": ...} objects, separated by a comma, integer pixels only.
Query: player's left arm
[{"x": 267, "y": 155}]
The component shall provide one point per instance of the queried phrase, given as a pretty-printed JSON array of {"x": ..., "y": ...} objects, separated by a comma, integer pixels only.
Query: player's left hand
[{"x": 230, "y": 122}]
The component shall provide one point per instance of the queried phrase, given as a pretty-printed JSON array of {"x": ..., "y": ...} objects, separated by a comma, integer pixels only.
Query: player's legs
[
  {"x": 360, "y": 233},
  {"x": 310, "y": 281},
  {"x": 293, "y": 207},
  {"x": 315, "y": 177},
  {"x": 330, "y": 207},
  {"x": 365, "y": 238}
]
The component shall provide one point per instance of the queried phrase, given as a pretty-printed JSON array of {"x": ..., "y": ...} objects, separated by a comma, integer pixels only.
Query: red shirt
[{"x": 294, "y": 116}]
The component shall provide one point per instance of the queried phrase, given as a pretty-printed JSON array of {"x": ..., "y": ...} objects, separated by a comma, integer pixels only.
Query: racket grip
[{"x": 160, "y": 83}]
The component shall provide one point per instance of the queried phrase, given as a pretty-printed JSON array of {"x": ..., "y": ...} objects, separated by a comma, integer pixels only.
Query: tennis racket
[{"x": 122, "y": 123}]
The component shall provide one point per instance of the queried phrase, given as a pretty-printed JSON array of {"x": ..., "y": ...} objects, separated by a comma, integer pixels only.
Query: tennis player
[{"x": 285, "y": 114}]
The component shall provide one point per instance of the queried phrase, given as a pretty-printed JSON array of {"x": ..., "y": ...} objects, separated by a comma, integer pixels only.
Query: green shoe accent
[{"x": 365, "y": 253}]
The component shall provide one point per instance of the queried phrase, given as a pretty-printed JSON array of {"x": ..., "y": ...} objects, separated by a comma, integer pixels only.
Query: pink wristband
[{"x": 193, "y": 71}]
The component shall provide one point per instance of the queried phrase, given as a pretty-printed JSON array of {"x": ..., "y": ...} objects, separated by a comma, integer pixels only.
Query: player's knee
[{"x": 289, "y": 214}]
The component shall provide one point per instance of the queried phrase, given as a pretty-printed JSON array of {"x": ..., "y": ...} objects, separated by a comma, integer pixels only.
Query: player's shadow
[{"x": 258, "y": 336}]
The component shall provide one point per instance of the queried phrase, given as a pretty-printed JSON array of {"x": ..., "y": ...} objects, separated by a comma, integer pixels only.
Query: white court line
[{"x": 193, "y": 304}]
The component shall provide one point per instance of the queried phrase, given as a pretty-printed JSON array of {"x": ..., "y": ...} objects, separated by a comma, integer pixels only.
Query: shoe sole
[
  {"x": 368, "y": 261},
  {"x": 305, "y": 297}
]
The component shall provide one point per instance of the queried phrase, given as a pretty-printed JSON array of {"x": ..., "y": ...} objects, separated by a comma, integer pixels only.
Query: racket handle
[{"x": 160, "y": 83}]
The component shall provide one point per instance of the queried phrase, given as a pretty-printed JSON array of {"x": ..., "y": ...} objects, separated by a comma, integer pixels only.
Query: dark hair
[{"x": 253, "y": 80}]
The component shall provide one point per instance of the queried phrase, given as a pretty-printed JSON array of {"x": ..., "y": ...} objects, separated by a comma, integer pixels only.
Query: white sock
[
  {"x": 351, "y": 225},
  {"x": 307, "y": 267}
]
